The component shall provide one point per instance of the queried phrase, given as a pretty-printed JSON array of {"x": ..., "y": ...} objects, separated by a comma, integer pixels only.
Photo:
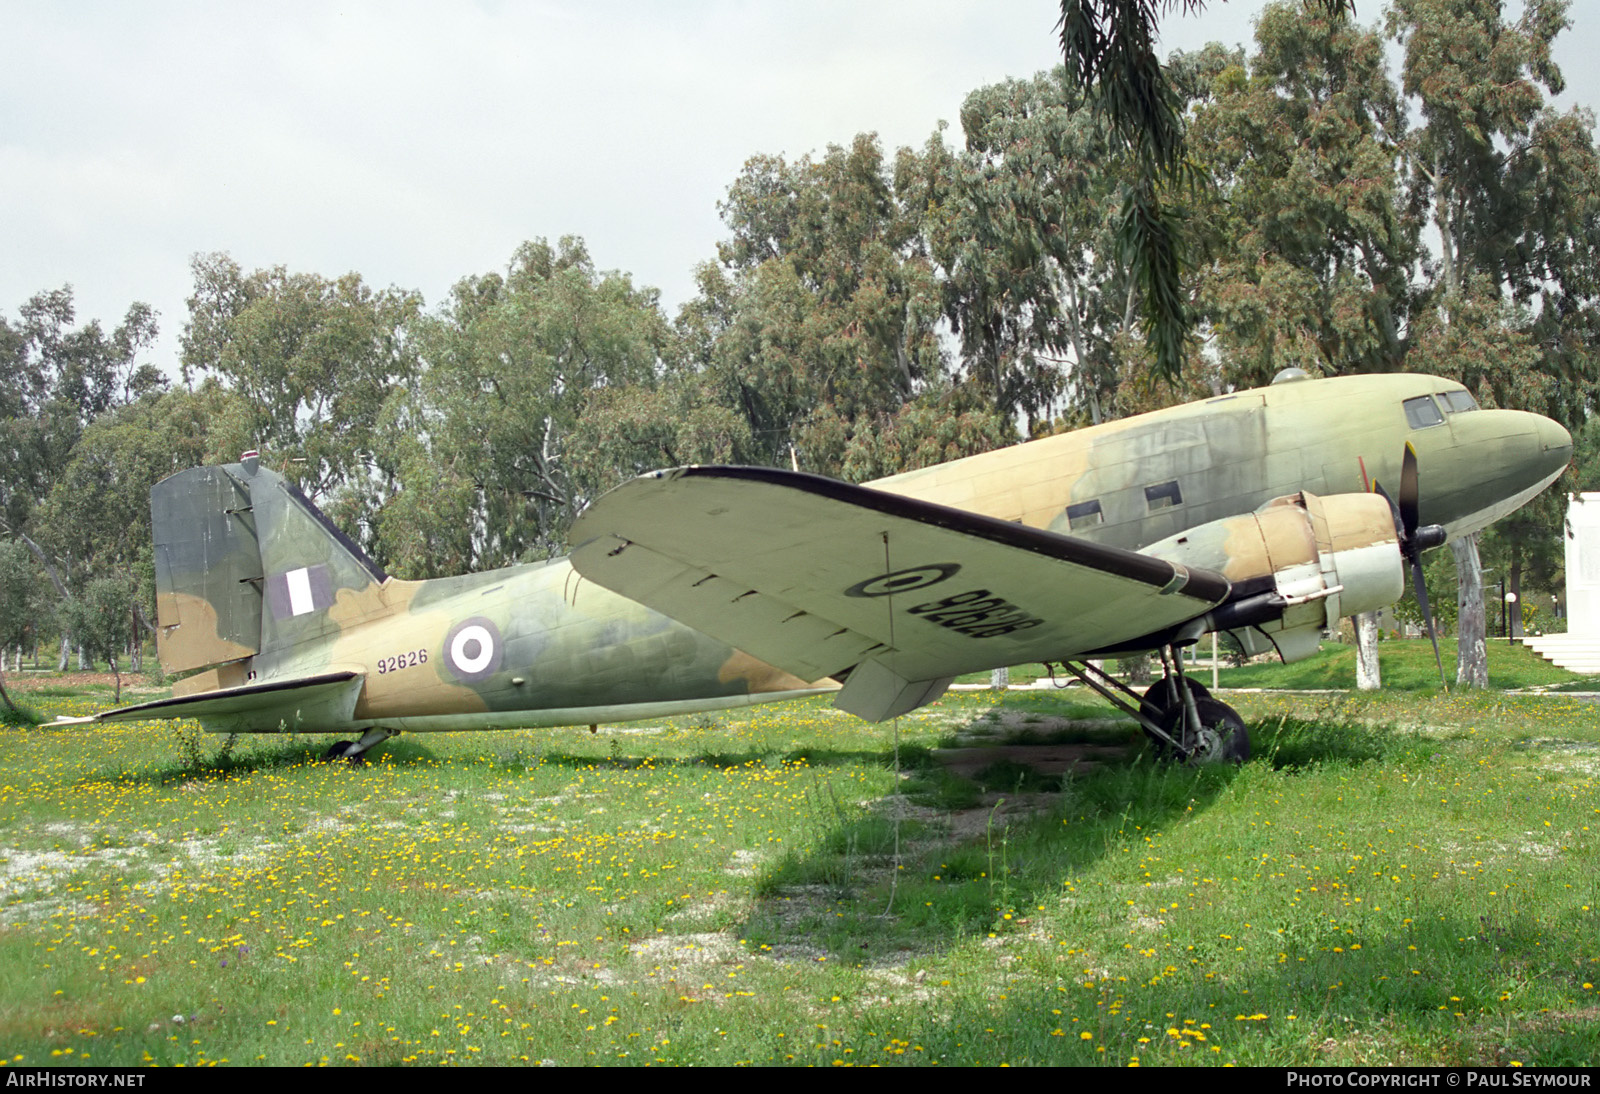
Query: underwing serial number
[
  {"x": 977, "y": 614},
  {"x": 402, "y": 661}
]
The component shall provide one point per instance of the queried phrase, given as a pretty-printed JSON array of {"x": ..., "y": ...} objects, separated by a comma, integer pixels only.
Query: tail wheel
[{"x": 1221, "y": 737}]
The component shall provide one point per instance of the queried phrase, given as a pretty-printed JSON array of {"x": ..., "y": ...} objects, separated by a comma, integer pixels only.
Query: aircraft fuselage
[
  {"x": 1140, "y": 480},
  {"x": 254, "y": 581}
]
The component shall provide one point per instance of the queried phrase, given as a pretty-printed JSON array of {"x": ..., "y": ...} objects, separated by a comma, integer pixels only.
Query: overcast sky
[{"x": 417, "y": 143}]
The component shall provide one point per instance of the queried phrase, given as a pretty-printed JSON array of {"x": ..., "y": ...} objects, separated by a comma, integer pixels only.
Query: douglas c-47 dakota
[{"x": 1268, "y": 514}]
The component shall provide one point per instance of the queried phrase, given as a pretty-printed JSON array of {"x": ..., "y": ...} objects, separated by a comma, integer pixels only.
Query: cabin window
[
  {"x": 1085, "y": 514},
  {"x": 1163, "y": 495},
  {"x": 1422, "y": 412},
  {"x": 1457, "y": 401}
]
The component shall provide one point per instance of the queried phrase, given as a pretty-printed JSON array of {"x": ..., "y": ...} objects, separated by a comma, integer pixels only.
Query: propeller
[{"x": 1414, "y": 539}]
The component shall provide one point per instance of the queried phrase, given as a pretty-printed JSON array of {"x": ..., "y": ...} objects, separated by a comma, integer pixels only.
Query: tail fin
[{"x": 245, "y": 565}]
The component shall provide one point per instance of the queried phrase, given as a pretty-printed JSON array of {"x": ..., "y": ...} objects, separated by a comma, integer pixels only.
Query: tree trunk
[
  {"x": 1138, "y": 669},
  {"x": 1000, "y": 679},
  {"x": 1368, "y": 675},
  {"x": 1472, "y": 651},
  {"x": 5, "y": 696},
  {"x": 1513, "y": 607},
  {"x": 66, "y": 654}
]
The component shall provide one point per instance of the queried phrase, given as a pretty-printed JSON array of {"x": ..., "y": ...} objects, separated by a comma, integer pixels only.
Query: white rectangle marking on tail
[{"x": 300, "y": 599}]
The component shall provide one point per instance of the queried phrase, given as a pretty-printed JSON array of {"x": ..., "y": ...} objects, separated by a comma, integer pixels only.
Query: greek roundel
[{"x": 473, "y": 649}]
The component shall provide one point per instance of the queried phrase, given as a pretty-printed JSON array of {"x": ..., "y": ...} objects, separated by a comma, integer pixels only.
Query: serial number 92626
[{"x": 402, "y": 661}]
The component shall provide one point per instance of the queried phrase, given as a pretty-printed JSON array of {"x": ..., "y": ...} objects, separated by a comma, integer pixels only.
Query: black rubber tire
[
  {"x": 1223, "y": 736},
  {"x": 1156, "y": 693}
]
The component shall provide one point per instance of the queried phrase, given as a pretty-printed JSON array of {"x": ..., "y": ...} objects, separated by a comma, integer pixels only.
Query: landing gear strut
[
  {"x": 355, "y": 751},
  {"x": 1178, "y": 714}
]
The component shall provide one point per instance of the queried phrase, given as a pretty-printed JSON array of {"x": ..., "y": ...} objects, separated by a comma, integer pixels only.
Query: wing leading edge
[{"x": 822, "y": 578}]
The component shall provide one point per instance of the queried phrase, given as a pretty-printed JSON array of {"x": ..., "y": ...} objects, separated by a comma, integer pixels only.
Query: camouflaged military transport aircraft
[
  {"x": 1258, "y": 513},
  {"x": 1268, "y": 514},
  {"x": 298, "y": 630}
]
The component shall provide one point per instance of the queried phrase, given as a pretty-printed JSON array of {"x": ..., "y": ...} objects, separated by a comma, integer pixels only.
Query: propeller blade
[
  {"x": 1414, "y": 540},
  {"x": 1409, "y": 494},
  {"x": 1421, "y": 587},
  {"x": 1399, "y": 524}
]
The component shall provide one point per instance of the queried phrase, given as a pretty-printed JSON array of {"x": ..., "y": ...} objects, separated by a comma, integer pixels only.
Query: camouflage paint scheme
[
  {"x": 297, "y": 629},
  {"x": 312, "y": 636},
  {"x": 1233, "y": 454},
  {"x": 1268, "y": 496}
]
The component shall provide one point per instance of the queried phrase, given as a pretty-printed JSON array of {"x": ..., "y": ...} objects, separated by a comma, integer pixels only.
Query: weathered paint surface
[
  {"x": 524, "y": 645},
  {"x": 1233, "y": 454},
  {"x": 255, "y": 584}
]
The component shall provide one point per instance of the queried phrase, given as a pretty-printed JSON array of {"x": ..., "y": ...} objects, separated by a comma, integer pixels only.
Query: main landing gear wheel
[
  {"x": 1158, "y": 695},
  {"x": 1220, "y": 738},
  {"x": 1159, "y": 699}
]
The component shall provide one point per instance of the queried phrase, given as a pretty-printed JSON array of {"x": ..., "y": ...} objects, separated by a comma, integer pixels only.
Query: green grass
[
  {"x": 1405, "y": 665},
  {"x": 19, "y": 716},
  {"x": 1396, "y": 878}
]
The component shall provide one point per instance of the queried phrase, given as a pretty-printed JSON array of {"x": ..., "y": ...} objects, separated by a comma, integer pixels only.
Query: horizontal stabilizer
[{"x": 301, "y": 705}]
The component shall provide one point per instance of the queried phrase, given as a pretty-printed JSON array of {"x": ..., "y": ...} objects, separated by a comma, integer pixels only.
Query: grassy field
[
  {"x": 1396, "y": 878},
  {"x": 1406, "y": 665}
]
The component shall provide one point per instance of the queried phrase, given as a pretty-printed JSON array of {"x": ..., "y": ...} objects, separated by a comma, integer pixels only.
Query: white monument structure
[{"x": 1579, "y": 649}]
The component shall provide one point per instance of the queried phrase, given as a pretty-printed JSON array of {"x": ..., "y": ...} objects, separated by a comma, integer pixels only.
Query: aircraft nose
[
  {"x": 1499, "y": 459},
  {"x": 1555, "y": 444}
]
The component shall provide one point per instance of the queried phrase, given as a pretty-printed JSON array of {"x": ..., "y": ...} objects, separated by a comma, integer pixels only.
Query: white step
[{"x": 1575, "y": 653}]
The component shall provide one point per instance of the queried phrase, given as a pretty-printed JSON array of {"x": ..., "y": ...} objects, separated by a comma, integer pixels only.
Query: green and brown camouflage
[
  {"x": 297, "y": 629},
  {"x": 1217, "y": 483},
  {"x": 1271, "y": 508},
  {"x": 1250, "y": 501},
  {"x": 1137, "y": 481}
]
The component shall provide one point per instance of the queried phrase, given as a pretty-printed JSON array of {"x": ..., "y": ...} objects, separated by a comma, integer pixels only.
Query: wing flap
[{"x": 815, "y": 575}]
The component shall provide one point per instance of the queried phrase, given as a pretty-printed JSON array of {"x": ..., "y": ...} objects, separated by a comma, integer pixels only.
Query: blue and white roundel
[{"x": 472, "y": 649}]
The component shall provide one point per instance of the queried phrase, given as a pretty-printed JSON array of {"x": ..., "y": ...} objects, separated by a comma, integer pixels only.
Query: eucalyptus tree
[
  {"x": 95, "y": 522},
  {"x": 1035, "y": 285},
  {"x": 1511, "y": 190},
  {"x": 1312, "y": 242},
  {"x": 313, "y": 359},
  {"x": 481, "y": 444},
  {"x": 55, "y": 378},
  {"x": 20, "y": 605},
  {"x": 823, "y": 317},
  {"x": 1109, "y": 50}
]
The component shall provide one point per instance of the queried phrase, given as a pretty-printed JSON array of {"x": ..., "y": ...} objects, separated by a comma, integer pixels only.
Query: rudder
[{"x": 245, "y": 565}]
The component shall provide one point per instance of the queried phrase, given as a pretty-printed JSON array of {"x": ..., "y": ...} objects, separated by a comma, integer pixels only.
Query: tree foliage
[
  {"x": 313, "y": 359},
  {"x": 481, "y": 445},
  {"x": 1109, "y": 238}
]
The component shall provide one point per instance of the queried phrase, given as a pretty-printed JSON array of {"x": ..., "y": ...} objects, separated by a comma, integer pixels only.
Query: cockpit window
[
  {"x": 1422, "y": 412},
  {"x": 1456, "y": 401}
]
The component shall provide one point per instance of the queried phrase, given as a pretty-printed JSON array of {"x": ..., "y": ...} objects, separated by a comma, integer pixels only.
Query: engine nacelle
[{"x": 1297, "y": 565}]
